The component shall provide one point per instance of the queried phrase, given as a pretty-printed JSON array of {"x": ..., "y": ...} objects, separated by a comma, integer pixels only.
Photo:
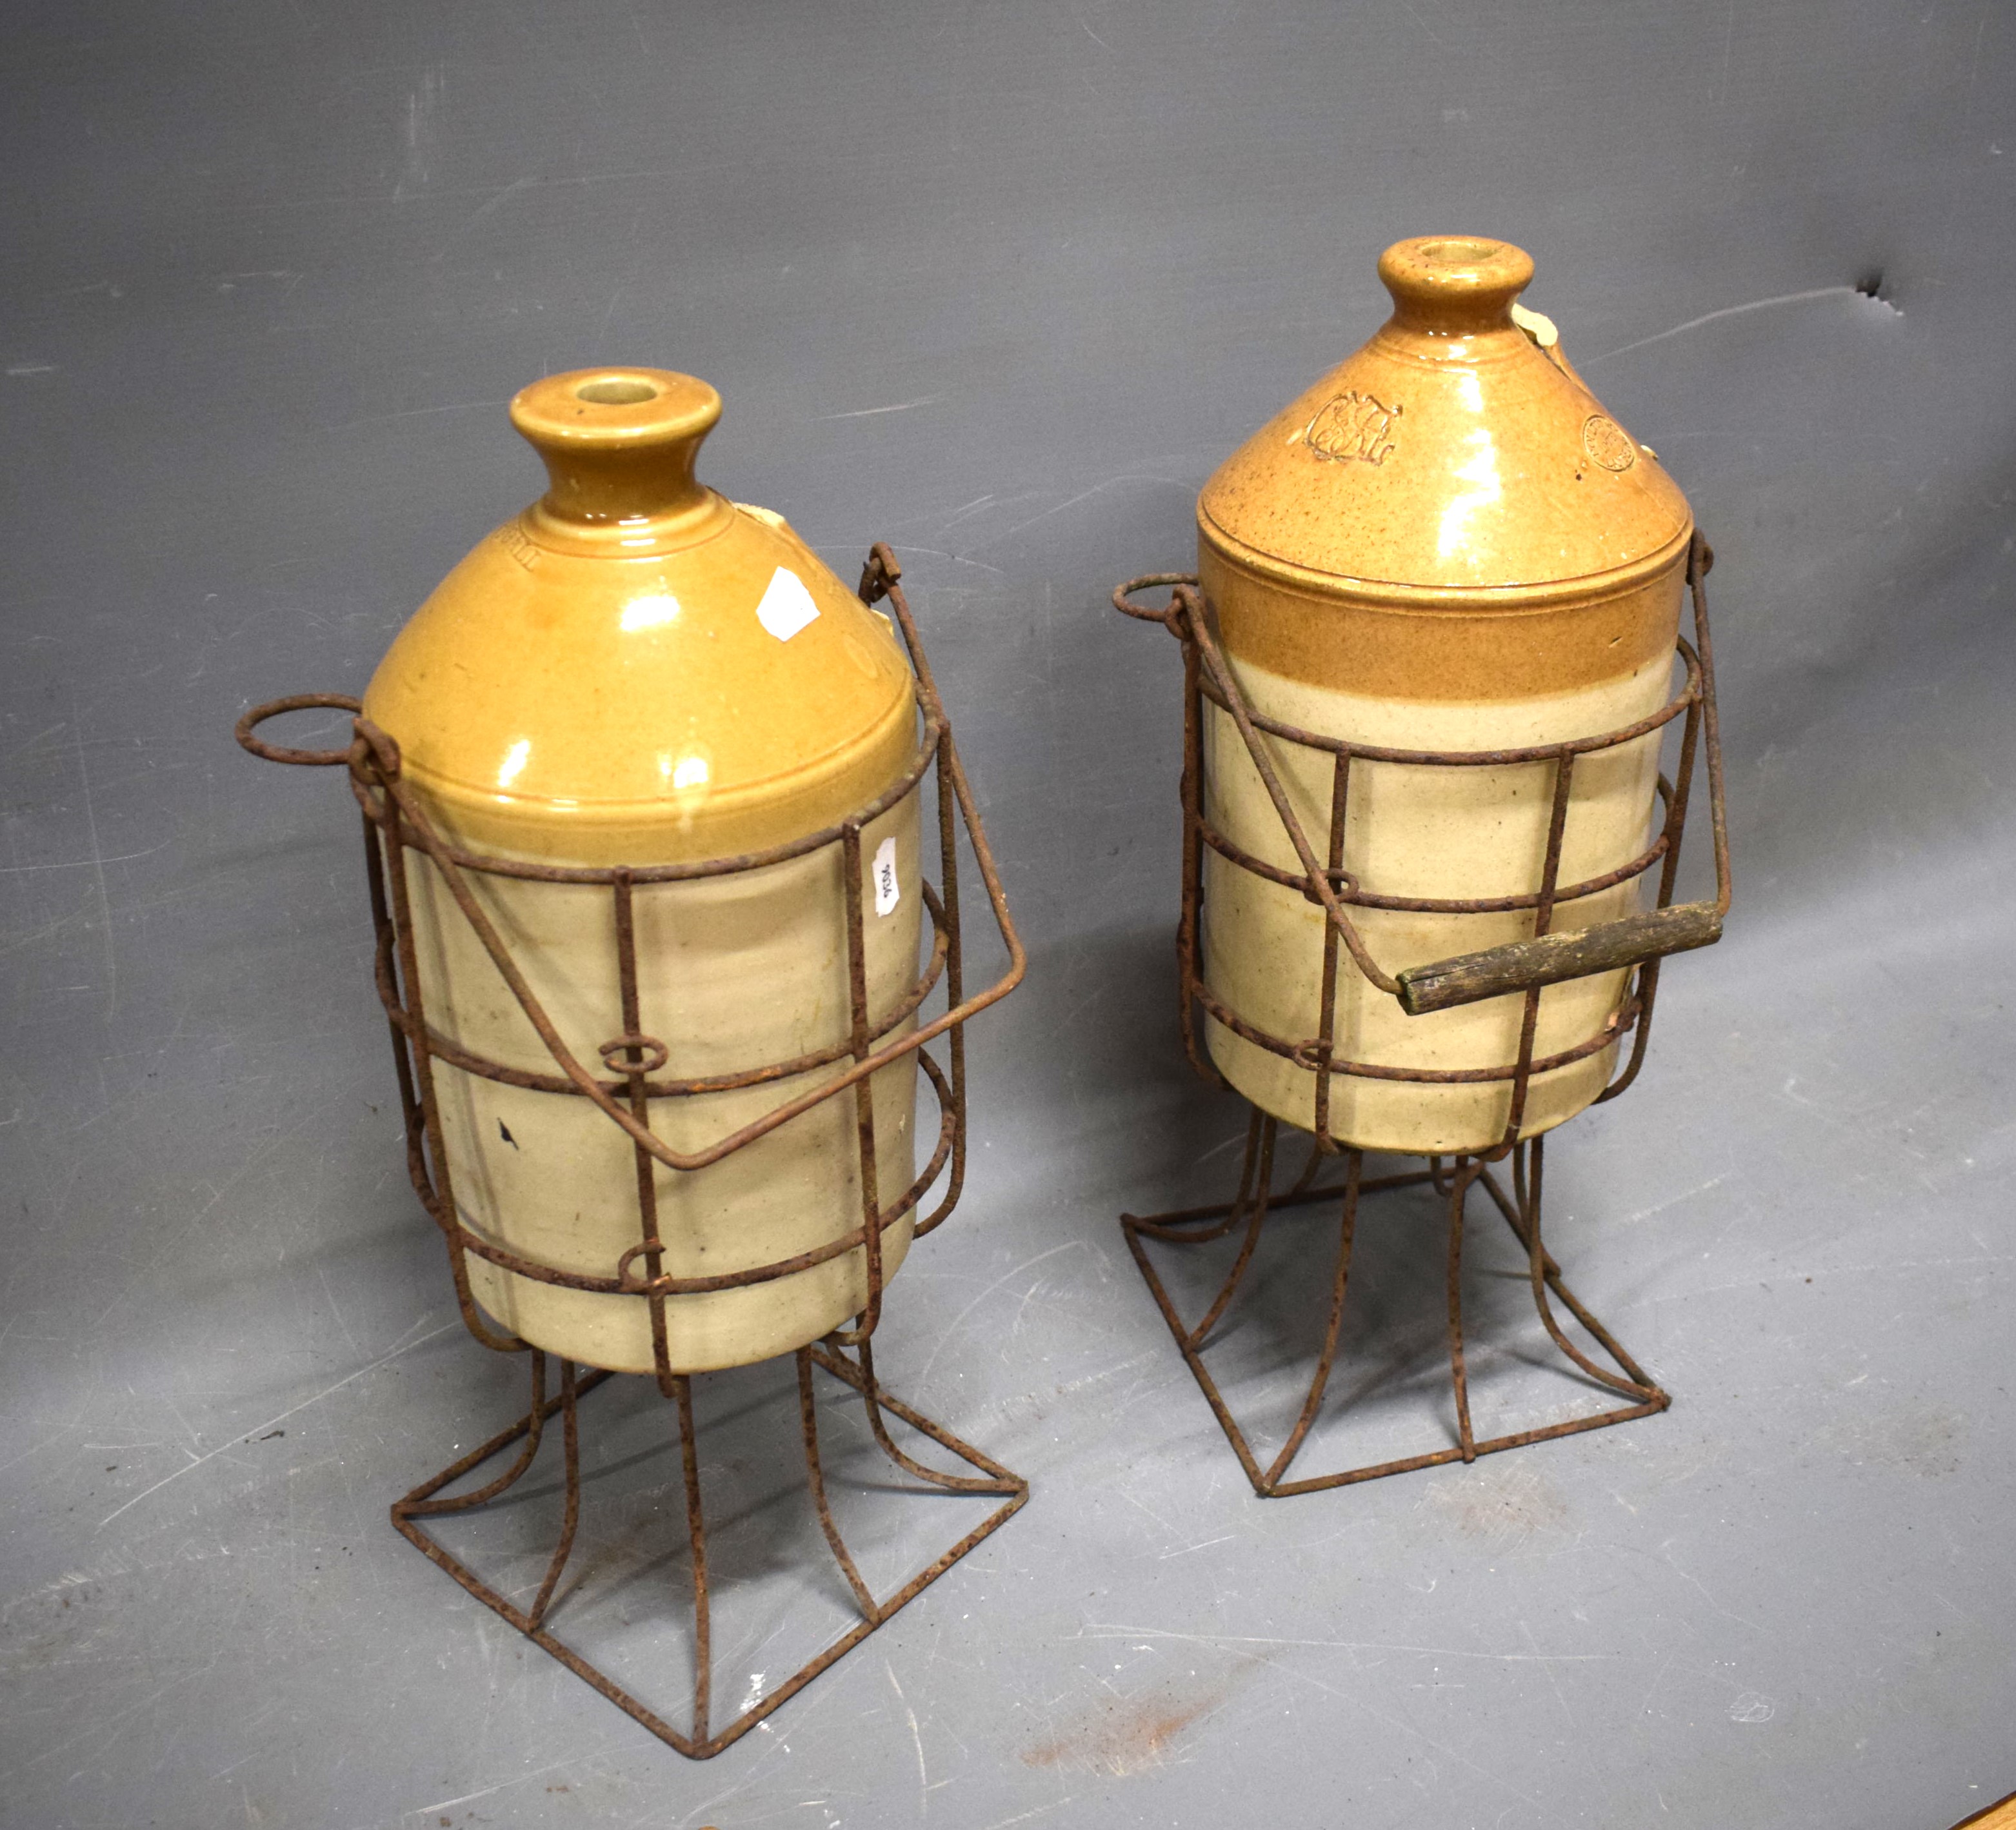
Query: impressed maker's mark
[
  {"x": 1607, "y": 443},
  {"x": 1353, "y": 425}
]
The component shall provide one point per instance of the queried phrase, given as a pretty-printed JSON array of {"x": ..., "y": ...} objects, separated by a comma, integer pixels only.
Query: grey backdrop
[{"x": 1001, "y": 284}]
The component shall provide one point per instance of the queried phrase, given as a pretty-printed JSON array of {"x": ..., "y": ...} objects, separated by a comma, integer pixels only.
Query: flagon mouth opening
[{"x": 1448, "y": 285}]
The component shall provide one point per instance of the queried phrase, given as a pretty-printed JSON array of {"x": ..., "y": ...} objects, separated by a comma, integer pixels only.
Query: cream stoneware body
[
  {"x": 1446, "y": 545},
  {"x": 636, "y": 671}
]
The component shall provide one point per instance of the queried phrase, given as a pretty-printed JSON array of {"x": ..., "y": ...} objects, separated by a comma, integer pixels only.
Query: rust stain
[{"x": 1124, "y": 1737}]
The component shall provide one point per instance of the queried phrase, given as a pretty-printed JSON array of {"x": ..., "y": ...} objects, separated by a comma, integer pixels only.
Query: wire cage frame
[
  {"x": 396, "y": 824},
  {"x": 1637, "y": 942}
]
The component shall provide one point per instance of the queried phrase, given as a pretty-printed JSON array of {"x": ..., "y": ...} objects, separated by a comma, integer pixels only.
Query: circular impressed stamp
[{"x": 1607, "y": 443}]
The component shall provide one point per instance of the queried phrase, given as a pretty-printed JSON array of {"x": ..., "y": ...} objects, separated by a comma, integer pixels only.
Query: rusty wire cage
[
  {"x": 395, "y": 824},
  {"x": 1524, "y": 967}
]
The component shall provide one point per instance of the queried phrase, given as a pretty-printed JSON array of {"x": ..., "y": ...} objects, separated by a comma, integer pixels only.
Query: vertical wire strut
[
  {"x": 815, "y": 1478},
  {"x": 864, "y": 1096},
  {"x": 1256, "y": 1218},
  {"x": 1466, "y": 1172},
  {"x": 570, "y": 1519},
  {"x": 697, "y": 1536},
  {"x": 442, "y": 1180},
  {"x": 632, "y": 1059},
  {"x": 1340, "y": 795},
  {"x": 1353, "y": 1162},
  {"x": 955, "y": 983}
]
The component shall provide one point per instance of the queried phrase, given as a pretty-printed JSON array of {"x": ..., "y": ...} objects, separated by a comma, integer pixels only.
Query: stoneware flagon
[
  {"x": 1446, "y": 544},
  {"x": 635, "y": 671}
]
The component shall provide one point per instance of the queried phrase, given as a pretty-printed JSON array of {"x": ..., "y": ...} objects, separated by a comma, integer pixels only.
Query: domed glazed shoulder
[
  {"x": 634, "y": 670},
  {"x": 1453, "y": 453}
]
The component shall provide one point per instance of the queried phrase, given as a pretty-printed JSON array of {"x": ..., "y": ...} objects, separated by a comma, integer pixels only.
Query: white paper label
[
  {"x": 787, "y": 606},
  {"x": 886, "y": 893}
]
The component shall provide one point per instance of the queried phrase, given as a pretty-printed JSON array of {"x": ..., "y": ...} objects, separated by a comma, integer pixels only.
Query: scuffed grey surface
[{"x": 1002, "y": 284}]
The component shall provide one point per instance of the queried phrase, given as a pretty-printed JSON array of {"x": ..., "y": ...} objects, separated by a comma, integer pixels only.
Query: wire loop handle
[
  {"x": 1636, "y": 942},
  {"x": 396, "y": 820}
]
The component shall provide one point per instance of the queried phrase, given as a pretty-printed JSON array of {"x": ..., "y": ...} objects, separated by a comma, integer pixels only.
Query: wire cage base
[
  {"x": 1255, "y": 1201},
  {"x": 396, "y": 825},
  {"x": 1636, "y": 944},
  {"x": 702, "y": 1742}
]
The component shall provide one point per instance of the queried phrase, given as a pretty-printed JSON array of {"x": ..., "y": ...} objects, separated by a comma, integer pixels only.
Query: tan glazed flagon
[
  {"x": 1446, "y": 544},
  {"x": 635, "y": 671}
]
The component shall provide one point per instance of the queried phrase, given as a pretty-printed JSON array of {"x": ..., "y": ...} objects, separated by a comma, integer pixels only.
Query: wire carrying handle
[
  {"x": 624, "y": 1080},
  {"x": 396, "y": 822},
  {"x": 1638, "y": 942}
]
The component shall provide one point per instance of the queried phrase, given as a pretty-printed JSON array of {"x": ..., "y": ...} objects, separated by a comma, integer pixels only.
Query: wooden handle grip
[{"x": 1522, "y": 965}]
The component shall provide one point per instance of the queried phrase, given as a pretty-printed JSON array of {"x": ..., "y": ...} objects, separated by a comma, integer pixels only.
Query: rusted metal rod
[
  {"x": 1636, "y": 944},
  {"x": 395, "y": 823}
]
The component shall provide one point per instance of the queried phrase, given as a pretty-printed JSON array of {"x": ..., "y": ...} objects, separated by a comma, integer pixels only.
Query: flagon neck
[
  {"x": 619, "y": 446},
  {"x": 1454, "y": 286}
]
